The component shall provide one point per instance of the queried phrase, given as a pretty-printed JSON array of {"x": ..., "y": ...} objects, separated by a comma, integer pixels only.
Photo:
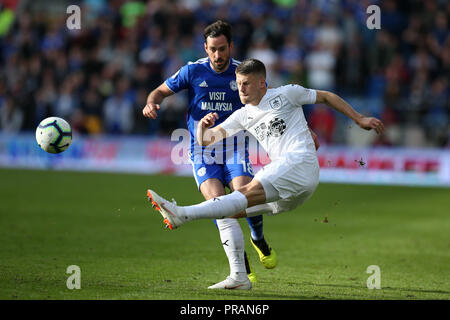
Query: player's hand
[
  {"x": 371, "y": 123},
  {"x": 209, "y": 120},
  {"x": 150, "y": 110}
]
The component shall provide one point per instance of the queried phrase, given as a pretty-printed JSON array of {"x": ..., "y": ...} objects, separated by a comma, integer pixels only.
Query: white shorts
[{"x": 289, "y": 181}]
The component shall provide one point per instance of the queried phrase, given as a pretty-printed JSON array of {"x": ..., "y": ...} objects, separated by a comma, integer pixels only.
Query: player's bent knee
[
  {"x": 251, "y": 189},
  {"x": 212, "y": 188},
  {"x": 253, "y": 194},
  {"x": 238, "y": 182}
]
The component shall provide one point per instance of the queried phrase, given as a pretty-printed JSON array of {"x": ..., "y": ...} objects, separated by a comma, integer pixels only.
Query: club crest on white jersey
[{"x": 275, "y": 103}]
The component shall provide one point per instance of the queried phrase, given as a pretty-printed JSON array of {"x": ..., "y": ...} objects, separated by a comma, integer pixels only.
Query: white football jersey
[{"x": 278, "y": 122}]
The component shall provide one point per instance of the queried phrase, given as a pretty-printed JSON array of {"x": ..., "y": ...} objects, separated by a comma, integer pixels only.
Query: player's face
[
  {"x": 251, "y": 88},
  {"x": 219, "y": 51}
]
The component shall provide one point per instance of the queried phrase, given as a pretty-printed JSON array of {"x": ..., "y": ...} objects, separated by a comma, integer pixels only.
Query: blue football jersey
[{"x": 208, "y": 91}]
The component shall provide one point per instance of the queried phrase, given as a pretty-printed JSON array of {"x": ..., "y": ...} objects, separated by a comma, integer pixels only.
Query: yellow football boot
[{"x": 270, "y": 261}]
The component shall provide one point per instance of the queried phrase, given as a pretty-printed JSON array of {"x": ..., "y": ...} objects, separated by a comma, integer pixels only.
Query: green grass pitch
[{"x": 103, "y": 223}]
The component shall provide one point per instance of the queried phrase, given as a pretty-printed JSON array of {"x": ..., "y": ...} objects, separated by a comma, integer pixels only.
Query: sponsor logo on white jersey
[{"x": 276, "y": 127}]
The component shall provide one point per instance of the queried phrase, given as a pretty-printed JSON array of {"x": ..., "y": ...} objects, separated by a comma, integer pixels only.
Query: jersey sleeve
[
  {"x": 180, "y": 80},
  {"x": 234, "y": 123},
  {"x": 299, "y": 95}
]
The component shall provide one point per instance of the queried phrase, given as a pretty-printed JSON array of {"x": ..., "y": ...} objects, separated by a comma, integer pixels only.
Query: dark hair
[
  {"x": 249, "y": 66},
  {"x": 218, "y": 28}
]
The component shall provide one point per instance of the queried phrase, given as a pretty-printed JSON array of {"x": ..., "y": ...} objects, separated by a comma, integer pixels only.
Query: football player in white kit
[{"x": 275, "y": 117}]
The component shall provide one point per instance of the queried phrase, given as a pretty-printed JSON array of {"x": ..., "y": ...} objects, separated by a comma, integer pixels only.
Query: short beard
[{"x": 224, "y": 66}]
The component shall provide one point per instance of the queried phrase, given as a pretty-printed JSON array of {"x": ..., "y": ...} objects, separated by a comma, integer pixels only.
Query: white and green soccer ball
[{"x": 54, "y": 135}]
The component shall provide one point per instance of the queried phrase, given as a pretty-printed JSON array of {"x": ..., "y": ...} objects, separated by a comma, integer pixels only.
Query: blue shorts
[{"x": 224, "y": 172}]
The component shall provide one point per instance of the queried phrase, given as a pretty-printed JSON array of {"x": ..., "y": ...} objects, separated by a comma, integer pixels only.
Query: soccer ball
[{"x": 54, "y": 135}]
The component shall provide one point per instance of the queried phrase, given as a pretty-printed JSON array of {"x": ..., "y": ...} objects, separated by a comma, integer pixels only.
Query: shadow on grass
[
  {"x": 304, "y": 292},
  {"x": 253, "y": 294},
  {"x": 382, "y": 288}
]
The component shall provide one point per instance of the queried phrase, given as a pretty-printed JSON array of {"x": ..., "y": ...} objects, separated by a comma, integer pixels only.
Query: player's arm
[
  {"x": 206, "y": 136},
  {"x": 340, "y": 105},
  {"x": 154, "y": 100}
]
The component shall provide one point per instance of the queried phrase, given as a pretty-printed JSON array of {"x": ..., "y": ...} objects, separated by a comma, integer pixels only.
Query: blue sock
[{"x": 256, "y": 227}]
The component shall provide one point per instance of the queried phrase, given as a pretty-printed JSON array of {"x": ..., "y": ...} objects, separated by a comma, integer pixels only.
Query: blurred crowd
[{"x": 98, "y": 77}]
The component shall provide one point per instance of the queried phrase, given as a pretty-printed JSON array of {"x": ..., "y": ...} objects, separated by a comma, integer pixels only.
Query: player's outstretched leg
[
  {"x": 217, "y": 208},
  {"x": 170, "y": 211}
]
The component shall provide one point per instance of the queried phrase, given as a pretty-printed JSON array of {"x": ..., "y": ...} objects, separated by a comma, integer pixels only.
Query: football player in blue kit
[{"x": 211, "y": 85}]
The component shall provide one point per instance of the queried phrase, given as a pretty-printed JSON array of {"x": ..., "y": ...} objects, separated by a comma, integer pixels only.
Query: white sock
[
  {"x": 233, "y": 243},
  {"x": 217, "y": 208}
]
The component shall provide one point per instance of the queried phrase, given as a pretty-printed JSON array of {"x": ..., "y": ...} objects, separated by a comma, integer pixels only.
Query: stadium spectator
[
  {"x": 11, "y": 117},
  {"x": 323, "y": 122},
  {"x": 118, "y": 109},
  {"x": 320, "y": 63},
  {"x": 47, "y": 69}
]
